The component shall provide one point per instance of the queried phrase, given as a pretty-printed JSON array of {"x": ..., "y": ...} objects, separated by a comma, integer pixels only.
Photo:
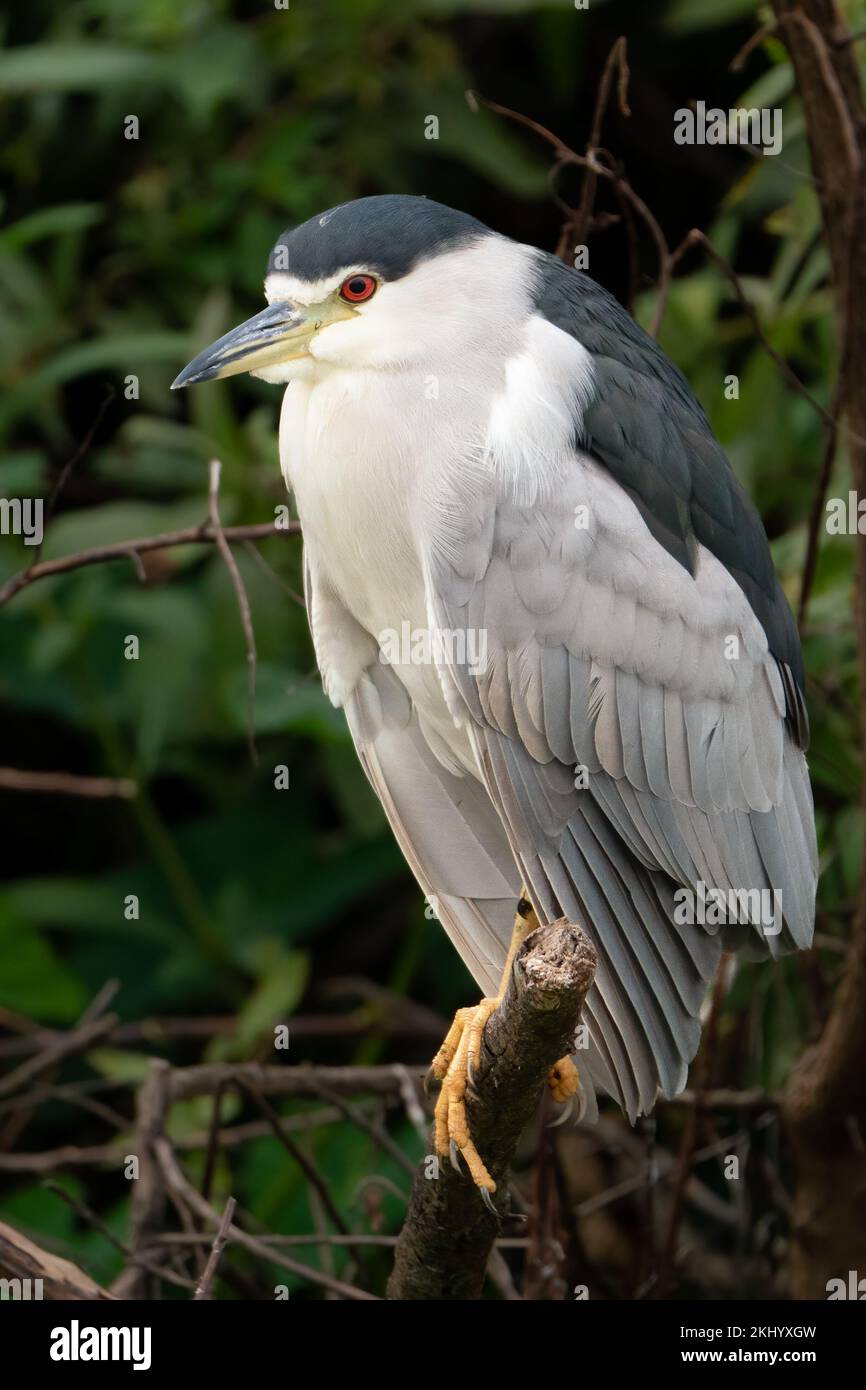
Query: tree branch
[
  {"x": 65, "y": 784},
  {"x": 62, "y": 1280},
  {"x": 448, "y": 1235},
  {"x": 825, "y": 1105},
  {"x": 125, "y": 550}
]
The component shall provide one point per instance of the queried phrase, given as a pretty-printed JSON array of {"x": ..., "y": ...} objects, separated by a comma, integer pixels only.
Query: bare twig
[
  {"x": 306, "y": 1165},
  {"x": 66, "y": 784},
  {"x": 174, "y": 1180},
  {"x": 766, "y": 31},
  {"x": 617, "y": 61},
  {"x": 77, "y": 1040},
  {"x": 148, "y": 1192},
  {"x": 225, "y": 551},
  {"x": 702, "y": 1071},
  {"x": 66, "y": 470},
  {"x": 185, "y": 1082},
  {"x": 90, "y": 1218},
  {"x": 219, "y": 1243},
  {"x": 408, "y": 1021},
  {"x": 362, "y": 1121},
  {"x": 121, "y": 550},
  {"x": 698, "y": 238}
]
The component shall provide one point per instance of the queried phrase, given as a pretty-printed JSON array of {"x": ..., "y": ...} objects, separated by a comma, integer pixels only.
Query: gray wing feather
[
  {"x": 692, "y": 773},
  {"x": 446, "y": 825}
]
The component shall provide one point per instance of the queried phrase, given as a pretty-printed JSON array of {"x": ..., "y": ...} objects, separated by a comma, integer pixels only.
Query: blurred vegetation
[{"x": 122, "y": 258}]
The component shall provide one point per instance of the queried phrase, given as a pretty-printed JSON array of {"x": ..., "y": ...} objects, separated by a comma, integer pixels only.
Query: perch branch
[
  {"x": 448, "y": 1235},
  {"x": 61, "y": 1280}
]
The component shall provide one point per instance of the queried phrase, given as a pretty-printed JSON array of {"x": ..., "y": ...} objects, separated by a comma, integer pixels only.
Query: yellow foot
[
  {"x": 563, "y": 1080},
  {"x": 453, "y": 1065}
]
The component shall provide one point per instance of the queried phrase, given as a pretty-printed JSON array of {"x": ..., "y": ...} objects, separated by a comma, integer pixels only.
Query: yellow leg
[{"x": 455, "y": 1061}]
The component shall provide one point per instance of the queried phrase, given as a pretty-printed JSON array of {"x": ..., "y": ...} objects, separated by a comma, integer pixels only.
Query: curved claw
[
  {"x": 431, "y": 1082},
  {"x": 582, "y": 1105},
  {"x": 488, "y": 1201},
  {"x": 455, "y": 1152},
  {"x": 561, "y": 1119}
]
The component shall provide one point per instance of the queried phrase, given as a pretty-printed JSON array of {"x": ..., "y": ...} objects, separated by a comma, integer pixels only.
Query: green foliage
[{"x": 122, "y": 258}]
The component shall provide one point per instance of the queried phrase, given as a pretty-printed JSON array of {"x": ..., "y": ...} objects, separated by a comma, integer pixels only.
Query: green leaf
[
  {"x": 285, "y": 701},
  {"x": 34, "y": 980},
  {"x": 686, "y": 16},
  {"x": 283, "y": 979},
  {"x": 65, "y": 67},
  {"x": 50, "y": 222},
  {"x": 118, "y": 1064}
]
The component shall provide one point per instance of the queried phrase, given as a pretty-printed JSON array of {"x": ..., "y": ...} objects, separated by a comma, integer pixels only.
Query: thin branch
[
  {"x": 66, "y": 470},
  {"x": 819, "y": 500},
  {"x": 225, "y": 551},
  {"x": 698, "y": 238},
  {"x": 176, "y": 1182},
  {"x": 409, "y": 1022},
  {"x": 90, "y": 1218},
  {"x": 213, "y": 1142},
  {"x": 295, "y": 1152},
  {"x": 387, "y": 1080},
  {"x": 617, "y": 61},
  {"x": 589, "y": 161},
  {"x": 766, "y": 31},
  {"x": 147, "y": 1203},
  {"x": 362, "y": 1121},
  {"x": 79, "y": 1039},
  {"x": 219, "y": 1243},
  {"x": 702, "y": 1075},
  {"x": 268, "y": 569},
  {"x": 66, "y": 784},
  {"x": 121, "y": 550}
]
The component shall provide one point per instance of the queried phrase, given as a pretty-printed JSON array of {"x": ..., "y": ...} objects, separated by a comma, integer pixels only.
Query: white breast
[
  {"x": 370, "y": 455},
  {"x": 357, "y": 449}
]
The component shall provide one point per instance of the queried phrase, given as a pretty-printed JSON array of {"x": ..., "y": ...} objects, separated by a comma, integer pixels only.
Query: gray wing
[
  {"x": 446, "y": 825},
  {"x": 606, "y": 655}
]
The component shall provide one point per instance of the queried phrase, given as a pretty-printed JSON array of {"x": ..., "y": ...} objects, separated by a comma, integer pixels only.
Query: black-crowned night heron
[{"x": 550, "y": 613}]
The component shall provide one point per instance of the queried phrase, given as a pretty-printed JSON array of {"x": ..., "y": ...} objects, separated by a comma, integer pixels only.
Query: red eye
[{"x": 357, "y": 287}]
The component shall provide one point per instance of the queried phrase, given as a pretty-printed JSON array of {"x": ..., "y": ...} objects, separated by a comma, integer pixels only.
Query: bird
[{"x": 550, "y": 614}]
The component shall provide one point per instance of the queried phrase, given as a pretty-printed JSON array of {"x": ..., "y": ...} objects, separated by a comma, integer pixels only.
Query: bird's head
[{"x": 380, "y": 282}]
